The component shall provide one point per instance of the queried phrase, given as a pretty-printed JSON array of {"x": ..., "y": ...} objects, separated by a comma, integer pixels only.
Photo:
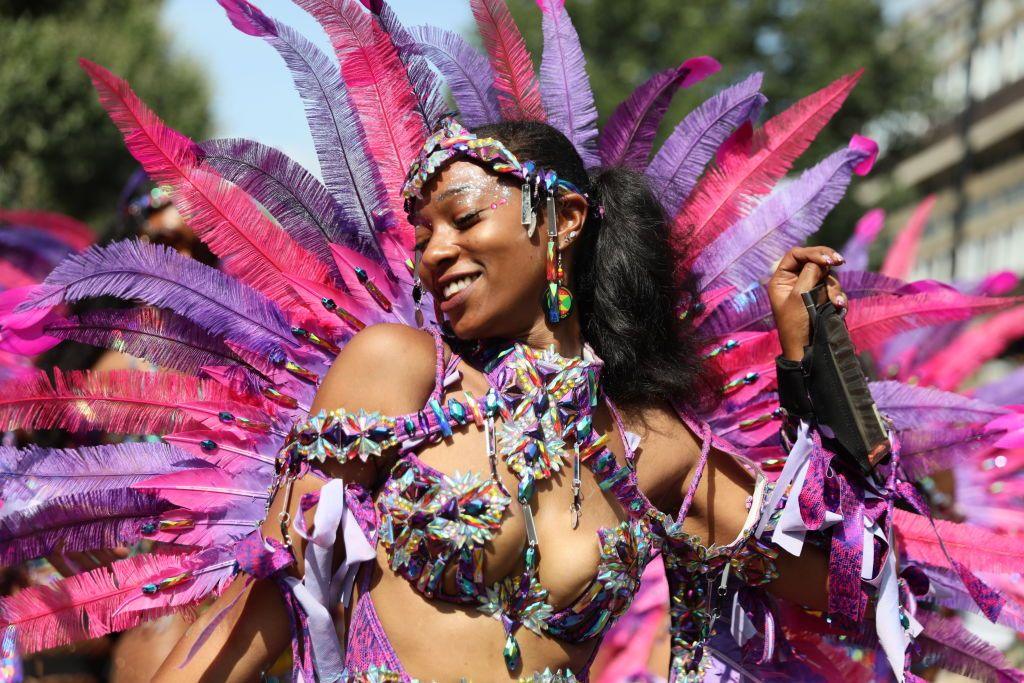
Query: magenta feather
[
  {"x": 74, "y": 233},
  {"x": 12, "y": 277},
  {"x": 744, "y": 253},
  {"x": 82, "y": 521},
  {"x": 857, "y": 248},
  {"x": 747, "y": 311},
  {"x": 226, "y": 447},
  {"x": 913, "y": 407},
  {"x": 948, "y": 590},
  {"x": 33, "y": 474},
  {"x": 515, "y": 81},
  {"x": 946, "y": 644},
  {"x": 82, "y": 606},
  {"x": 467, "y": 72},
  {"x": 564, "y": 86},
  {"x": 211, "y": 489},
  {"x": 209, "y": 572},
  {"x": 900, "y": 258},
  {"x": 119, "y": 401},
  {"x": 679, "y": 163},
  {"x": 250, "y": 245},
  {"x": 972, "y": 546},
  {"x": 378, "y": 86},
  {"x": 160, "y": 276},
  {"x": 959, "y": 360},
  {"x": 627, "y": 138},
  {"x": 726, "y": 192},
  {"x": 159, "y": 336},
  {"x": 338, "y": 136}
]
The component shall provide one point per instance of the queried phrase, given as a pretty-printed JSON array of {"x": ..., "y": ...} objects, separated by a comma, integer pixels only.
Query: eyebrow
[{"x": 451, "y": 192}]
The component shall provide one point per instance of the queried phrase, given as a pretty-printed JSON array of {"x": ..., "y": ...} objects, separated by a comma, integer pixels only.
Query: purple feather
[
  {"x": 291, "y": 194},
  {"x": 564, "y": 86},
  {"x": 858, "y": 284},
  {"x": 857, "y": 249},
  {"x": 947, "y": 644},
  {"x": 338, "y": 136},
  {"x": 1008, "y": 390},
  {"x": 161, "y": 337},
  {"x": 31, "y": 250},
  {"x": 426, "y": 86},
  {"x": 83, "y": 521},
  {"x": 681, "y": 160},
  {"x": 160, "y": 276},
  {"x": 748, "y": 311},
  {"x": 744, "y": 253},
  {"x": 913, "y": 406},
  {"x": 32, "y": 475},
  {"x": 466, "y": 70},
  {"x": 948, "y": 590},
  {"x": 628, "y": 136},
  {"x": 923, "y": 451}
]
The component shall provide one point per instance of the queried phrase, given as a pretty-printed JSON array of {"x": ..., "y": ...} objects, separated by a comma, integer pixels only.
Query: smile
[{"x": 456, "y": 286}]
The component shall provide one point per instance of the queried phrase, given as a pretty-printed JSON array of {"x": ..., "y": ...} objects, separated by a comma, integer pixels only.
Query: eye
[{"x": 467, "y": 220}]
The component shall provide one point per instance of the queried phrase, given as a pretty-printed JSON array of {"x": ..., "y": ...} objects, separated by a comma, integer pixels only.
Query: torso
[{"x": 438, "y": 640}]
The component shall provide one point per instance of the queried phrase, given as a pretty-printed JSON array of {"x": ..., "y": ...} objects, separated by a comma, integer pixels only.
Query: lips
[{"x": 456, "y": 290}]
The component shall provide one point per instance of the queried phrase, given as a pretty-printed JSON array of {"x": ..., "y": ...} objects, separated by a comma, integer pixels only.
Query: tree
[
  {"x": 800, "y": 45},
  {"x": 58, "y": 149}
]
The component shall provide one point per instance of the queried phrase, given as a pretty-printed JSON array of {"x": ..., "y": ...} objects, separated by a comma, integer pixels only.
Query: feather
[
  {"x": 160, "y": 276},
  {"x": 744, "y": 253},
  {"x": 12, "y": 277},
  {"x": 82, "y": 606},
  {"x": 221, "y": 447},
  {"x": 875, "y": 319},
  {"x": 161, "y": 337},
  {"x": 946, "y": 644},
  {"x": 972, "y": 546},
  {"x": 947, "y": 590},
  {"x": 118, "y": 401},
  {"x": 564, "y": 86},
  {"x": 925, "y": 451},
  {"x": 32, "y": 250},
  {"x": 83, "y": 521},
  {"x": 860, "y": 284},
  {"x": 32, "y": 474},
  {"x": 289, "y": 193},
  {"x": 960, "y": 359},
  {"x": 426, "y": 86},
  {"x": 747, "y": 311},
  {"x": 466, "y": 71},
  {"x": 724, "y": 194},
  {"x": 211, "y": 489},
  {"x": 380, "y": 92},
  {"x": 75, "y": 234},
  {"x": 857, "y": 248},
  {"x": 997, "y": 284},
  {"x": 1004, "y": 391},
  {"x": 900, "y": 258},
  {"x": 515, "y": 81},
  {"x": 338, "y": 136},
  {"x": 206, "y": 573},
  {"x": 250, "y": 245},
  {"x": 913, "y": 407},
  {"x": 627, "y": 138},
  {"x": 681, "y": 160}
]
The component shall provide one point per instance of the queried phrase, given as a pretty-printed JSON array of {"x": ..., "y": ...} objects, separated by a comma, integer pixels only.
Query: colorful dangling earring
[
  {"x": 417, "y": 289},
  {"x": 557, "y": 297}
]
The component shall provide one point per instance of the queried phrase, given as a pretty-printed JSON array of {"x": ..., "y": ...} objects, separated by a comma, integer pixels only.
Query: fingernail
[
  {"x": 839, "y": 258},
  {"x": 828, "y": 260},
  {"x": 841, "y": 301}
]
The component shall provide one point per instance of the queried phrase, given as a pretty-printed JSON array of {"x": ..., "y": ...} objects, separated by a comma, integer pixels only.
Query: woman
[
  {"x": 434, "y": 509},
  {"x": 480, "y": 262}
]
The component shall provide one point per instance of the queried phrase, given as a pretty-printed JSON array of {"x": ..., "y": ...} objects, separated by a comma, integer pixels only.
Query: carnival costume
[{"x": 308, "y": 264}]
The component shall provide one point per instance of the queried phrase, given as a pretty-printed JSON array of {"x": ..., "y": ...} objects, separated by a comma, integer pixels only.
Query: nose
[{"x": 440, "y": 252}]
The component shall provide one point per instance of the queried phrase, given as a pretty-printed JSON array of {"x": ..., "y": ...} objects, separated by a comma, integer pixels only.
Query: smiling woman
[{"x": 505, "y": 407}]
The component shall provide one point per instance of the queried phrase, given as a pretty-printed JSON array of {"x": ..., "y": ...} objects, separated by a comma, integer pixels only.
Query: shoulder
[{"x": 388, "y": 368}]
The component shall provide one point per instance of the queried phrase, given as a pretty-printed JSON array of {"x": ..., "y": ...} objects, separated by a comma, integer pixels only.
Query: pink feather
[
  {"x": 378, "y": 85},
  {"x": 515, "y": 80},
  {"x": 723, "y": 194},
  {"x": 209, "y": 573},
  {"x": 11, "y": 277},
  {"x": 208, "y": 489},
  {"x": 976, "y": 548},
  {"x": 119, "y": 401},
  {"x": 75, "y": 234},
  {"x": 253, "y": 247},
  {"x": 948, "y": 368},
  {"x": 83, "y": 606},
  {"x": 226, "y": 449},
  {"x": 900, "y": 258}
]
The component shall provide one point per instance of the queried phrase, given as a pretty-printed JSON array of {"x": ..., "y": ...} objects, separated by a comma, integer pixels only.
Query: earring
[
  {"x": 557, "y": 297},
  {"x": 417, "y": 289}
]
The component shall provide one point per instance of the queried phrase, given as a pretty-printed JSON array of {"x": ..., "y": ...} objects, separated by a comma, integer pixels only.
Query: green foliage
[
  {"x": 800, "y": 45},
  {"x": 58, "y": 149}
]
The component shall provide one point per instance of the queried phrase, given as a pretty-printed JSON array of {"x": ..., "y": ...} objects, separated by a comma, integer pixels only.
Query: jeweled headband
[{"x": 452, "y": 140}]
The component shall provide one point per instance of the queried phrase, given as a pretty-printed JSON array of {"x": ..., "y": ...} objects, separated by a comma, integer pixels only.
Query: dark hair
[{"x": 624, "y": 281}]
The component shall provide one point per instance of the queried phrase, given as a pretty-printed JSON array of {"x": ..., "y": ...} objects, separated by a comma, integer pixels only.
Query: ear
[{"x": 572, "y": 214}]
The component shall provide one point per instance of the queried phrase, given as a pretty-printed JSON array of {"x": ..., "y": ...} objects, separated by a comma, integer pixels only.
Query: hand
[{"x": 800, "y": 270}]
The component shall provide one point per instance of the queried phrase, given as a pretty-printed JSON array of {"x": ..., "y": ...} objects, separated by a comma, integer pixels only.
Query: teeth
[{"x": 456, "y": 286}]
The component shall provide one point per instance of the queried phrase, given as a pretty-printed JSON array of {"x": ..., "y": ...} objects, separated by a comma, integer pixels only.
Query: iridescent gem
[
  {"x": 208, "y": 445},
  {"x": 511, "y": 653}
]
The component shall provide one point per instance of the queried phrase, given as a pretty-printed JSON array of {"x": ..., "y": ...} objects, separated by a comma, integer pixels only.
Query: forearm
[{"x": 247, "y": 640}]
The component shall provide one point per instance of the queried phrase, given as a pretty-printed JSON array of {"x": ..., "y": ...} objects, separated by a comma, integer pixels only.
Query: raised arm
[{"x": 384, "y": 368}]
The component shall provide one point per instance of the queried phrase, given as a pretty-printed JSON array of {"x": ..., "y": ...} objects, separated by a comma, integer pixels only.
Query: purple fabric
[
  {"x": 845, "y": 595},
  {"x": 368, "y": 644}
]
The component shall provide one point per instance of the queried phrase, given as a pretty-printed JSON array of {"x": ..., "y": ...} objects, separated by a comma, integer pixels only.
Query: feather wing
[
  {"x": 947, "y": 644},
  {"x": 467, "y": 72},
  {"x": 856, "y": 249},
  {"x": 914, "y": 407},
  {"x": 961, "y": 358},
  {"x": 74, "y": 233},
  {"x": 972, "y": 546},
  {"x": 900, "y": 258},
  {"x": 682, "y": 158},
  {"x": 515, "y": 81},
  {"x": 564, "y": 86}
]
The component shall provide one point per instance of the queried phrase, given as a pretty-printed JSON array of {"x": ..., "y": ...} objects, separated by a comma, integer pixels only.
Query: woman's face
[{"x": 477, "y": 260}]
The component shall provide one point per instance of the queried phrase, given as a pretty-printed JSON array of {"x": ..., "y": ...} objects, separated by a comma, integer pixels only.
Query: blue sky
[{"x": 252, "y": 93}]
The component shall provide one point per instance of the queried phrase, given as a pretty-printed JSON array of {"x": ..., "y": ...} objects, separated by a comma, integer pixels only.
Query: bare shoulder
[
  {"x": 668, "y": 452},
  {"x": 388, "y": 368}
]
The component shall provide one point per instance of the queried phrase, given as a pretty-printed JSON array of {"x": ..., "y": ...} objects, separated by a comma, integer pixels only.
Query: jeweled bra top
[{"x": 538, "y": 419}]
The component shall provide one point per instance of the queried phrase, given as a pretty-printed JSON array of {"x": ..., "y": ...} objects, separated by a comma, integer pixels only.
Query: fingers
[
  {"x": 835, "y": 292},
  {"x": 797, "y": 257}
]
